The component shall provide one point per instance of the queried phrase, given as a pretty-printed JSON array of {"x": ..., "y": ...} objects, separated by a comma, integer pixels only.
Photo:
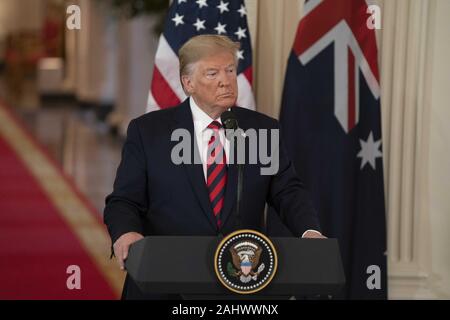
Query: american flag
[{"x": 185, "y": 19}]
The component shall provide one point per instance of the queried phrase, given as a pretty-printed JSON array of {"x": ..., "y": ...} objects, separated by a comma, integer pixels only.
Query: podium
[{"x": 185, "y": 265}]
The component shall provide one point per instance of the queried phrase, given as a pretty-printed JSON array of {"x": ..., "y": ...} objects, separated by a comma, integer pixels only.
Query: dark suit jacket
[{"x": 153, "y": 196}]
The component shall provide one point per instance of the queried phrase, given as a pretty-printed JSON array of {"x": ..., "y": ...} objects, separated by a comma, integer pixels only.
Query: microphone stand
[
  {"x": 230, "y": 122},
  {"x": 240, "y": 168}
]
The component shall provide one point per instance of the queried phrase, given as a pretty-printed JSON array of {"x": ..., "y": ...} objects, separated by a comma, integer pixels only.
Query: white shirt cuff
[{"x": 312, "y": 231}]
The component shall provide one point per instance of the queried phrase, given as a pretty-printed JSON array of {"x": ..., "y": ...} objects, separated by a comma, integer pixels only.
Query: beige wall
[
  {"x": 20, "y": 15},
  {"x": 439, "y": 156},
  {"x": 138, "y": 43},
  {"x": 96, "y": 54},
  {"x": 276, "y": 26}
]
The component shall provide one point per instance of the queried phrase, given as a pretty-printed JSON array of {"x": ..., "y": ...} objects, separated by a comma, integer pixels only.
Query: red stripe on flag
[
  {"x": 351, "y": 91},
  {"x": 318, "y": 22},
  {"x": 248, "y": 73},
  {"x": 365, "y": 36},
  {"x": 162, "y": 91}
]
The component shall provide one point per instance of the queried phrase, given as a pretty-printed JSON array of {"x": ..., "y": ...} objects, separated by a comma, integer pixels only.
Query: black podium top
[{"x": 185, "y": 265}]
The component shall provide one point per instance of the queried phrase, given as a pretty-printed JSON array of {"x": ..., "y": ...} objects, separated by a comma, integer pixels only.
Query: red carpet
[{"x": 37, "y": 243}]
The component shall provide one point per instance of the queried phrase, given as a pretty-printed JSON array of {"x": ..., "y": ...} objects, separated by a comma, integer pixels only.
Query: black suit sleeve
[
  {"x": 128, "y": 202},
  {"x": 289, "y": 197}
]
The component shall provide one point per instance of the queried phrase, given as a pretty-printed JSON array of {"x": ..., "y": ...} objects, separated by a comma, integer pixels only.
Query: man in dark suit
[{"x": 153, "y": 195}]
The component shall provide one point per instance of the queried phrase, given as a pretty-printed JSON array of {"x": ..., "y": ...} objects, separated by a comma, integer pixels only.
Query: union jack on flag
[{"x": 185, "y": 19}]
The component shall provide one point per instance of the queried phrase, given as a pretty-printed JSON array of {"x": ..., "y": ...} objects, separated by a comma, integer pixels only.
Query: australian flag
[{"x": 331, "y": 122}]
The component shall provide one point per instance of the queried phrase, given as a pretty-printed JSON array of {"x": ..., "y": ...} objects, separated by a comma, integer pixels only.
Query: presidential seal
[{"x": 245, "y": 261}]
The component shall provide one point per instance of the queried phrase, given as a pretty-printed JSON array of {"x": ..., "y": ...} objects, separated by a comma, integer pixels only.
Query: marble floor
[{"x": 82, "y": 145}]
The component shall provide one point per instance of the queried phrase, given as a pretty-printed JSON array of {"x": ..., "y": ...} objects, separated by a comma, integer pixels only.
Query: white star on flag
[
  {"x": 241, "y": 33},
  {"x": 369, "y": 151},
  {"x": 201, "y": 3},
  {"x": 220, "y": 28},
  {"x": 240, "y": 54},
  {"x": 181, "y": 1},
  {"x": 223, "y": 6},
  {"x": 242, "y": 11},
  {"x": 178, "y": 19},
  {"x": 200, "y": 24}
]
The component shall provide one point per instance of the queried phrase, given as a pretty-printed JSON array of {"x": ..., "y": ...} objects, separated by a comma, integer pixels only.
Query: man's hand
[
  {"x": 122, "y": 245},
  {"x": 313, "y": 235}
]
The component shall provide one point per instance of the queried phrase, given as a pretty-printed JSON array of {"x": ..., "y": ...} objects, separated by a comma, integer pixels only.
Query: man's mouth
[{"x": 226, "y": 95}]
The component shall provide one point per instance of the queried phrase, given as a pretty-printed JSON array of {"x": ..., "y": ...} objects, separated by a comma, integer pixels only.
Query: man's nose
[{"x": 224, "y": 80}]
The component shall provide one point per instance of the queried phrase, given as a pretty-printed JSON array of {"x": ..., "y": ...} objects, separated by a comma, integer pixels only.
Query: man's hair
[{"x": 201, "y": 46}]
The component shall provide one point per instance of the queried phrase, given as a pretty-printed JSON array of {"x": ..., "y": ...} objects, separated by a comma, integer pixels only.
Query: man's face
[{"x": 213, "y": 83}]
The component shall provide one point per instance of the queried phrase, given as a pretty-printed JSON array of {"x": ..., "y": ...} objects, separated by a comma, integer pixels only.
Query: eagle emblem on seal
[{"x": 245, "y": 256}]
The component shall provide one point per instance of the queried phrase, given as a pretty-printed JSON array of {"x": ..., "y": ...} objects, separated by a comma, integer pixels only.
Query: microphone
[{"x": 229, "y": 120}]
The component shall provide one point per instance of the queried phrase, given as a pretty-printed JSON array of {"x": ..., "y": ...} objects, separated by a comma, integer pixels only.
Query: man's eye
[{"x": 211, "y": 74}]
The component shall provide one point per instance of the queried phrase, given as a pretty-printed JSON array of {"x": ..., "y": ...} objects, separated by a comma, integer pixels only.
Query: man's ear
[{"x": 187, "y": 84}]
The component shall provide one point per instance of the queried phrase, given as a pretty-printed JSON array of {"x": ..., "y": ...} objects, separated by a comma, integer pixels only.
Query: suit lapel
[{"x": 183, "y": 119}]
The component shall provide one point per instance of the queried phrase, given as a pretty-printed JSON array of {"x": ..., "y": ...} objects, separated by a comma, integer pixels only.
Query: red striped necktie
[{"x": 216, "y": 171}]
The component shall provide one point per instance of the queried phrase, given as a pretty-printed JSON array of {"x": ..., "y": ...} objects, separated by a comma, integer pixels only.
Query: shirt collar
[{"x": 200, "y": 117}]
